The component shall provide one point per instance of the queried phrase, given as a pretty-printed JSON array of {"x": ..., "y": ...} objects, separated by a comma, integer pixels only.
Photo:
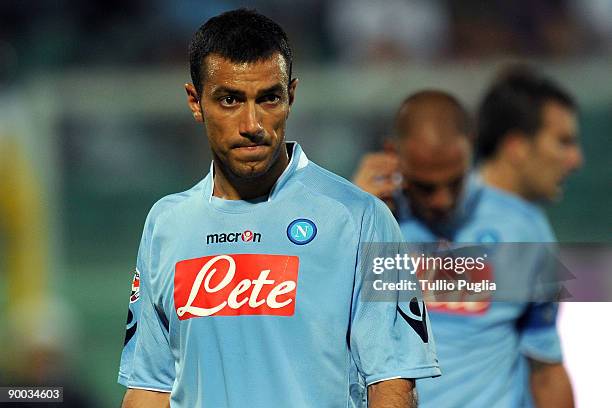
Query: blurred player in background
[
  {"x": 527, "y": 140},
  {"x": 483, "y": 346},
  {"x": 527, "y": 146},
  {"x": 217, "y": 317},
  {"x": 428, "y": 161}
]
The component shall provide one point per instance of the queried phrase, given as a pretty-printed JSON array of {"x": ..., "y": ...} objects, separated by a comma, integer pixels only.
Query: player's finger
[
  {"x": 376, "y": 170},
  {"x": 381, "y": 162},
  {"x": 384, "y": 189}
]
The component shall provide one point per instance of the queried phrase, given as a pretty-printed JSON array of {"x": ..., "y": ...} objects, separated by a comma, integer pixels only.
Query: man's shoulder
[
  {"x": 497, "y": 203},
  {"x": 170, "y": 202},
  {"x": 323, "y": 182},
  {"x": 508, "y": 218}
]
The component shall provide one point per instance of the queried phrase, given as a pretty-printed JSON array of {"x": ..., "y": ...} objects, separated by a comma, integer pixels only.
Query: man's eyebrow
[
  {"x": 573, "y": 137},
  {"x": 424, "y": 184},
  {"x": 457, "y": 180},
  {"x": 225, "y": 90},
  {"x": 276, "y": 88}
]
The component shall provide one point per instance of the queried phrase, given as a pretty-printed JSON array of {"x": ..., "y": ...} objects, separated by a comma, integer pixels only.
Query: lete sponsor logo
[
  {"x": 460, "y": 300},
  {"x": 237, "y": 284}
]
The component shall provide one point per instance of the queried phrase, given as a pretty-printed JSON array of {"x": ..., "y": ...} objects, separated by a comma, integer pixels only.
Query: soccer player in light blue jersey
[
  {"x": 527, "y": 144},
  {"x": 491, "y": 353},
  {"x": 247, "y": 291}
]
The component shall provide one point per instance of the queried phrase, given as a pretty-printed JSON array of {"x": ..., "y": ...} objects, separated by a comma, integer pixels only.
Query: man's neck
[
  {"x": 502, "y": 176},
  {"x": 230, "y": 187}
]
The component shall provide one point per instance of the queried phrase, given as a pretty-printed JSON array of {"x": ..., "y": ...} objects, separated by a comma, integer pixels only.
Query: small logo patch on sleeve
[{"x": 135, "y": 295}]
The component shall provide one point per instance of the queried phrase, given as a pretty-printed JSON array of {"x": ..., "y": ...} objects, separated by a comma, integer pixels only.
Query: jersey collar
[{"x": 297, "y": 162}]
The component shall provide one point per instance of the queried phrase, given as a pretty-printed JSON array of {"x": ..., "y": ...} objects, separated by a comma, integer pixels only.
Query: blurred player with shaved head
[
  {"x": 434, "y": 144},
  {"x": 428, "y": 163}
]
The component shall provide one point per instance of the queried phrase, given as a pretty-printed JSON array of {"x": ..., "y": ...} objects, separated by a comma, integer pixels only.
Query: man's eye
[
  {"x": 228, "y": 101},
  {"x": 456, "y": 184},
  {"x": 569, "y": 141},
  {"x": 271, "y": 99},
  {"x": 425, "y": 188}
]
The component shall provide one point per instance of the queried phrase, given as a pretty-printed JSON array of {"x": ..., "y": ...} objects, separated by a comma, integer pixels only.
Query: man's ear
[
  {"x": 390, "y": 145},
  {"x": 193, "y": 101},
  {"x": 292, "y": 85},
  {"x": 516, "y": 146}
]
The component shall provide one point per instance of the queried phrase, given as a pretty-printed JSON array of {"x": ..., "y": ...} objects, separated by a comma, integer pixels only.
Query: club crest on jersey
[
  {"x": 487, "y": 236},
  {"x": 301, "y": 231},
  {"x": 236, "y": 284},
  {"x": 244, "y": 236},
  {"x": 135, "y": 287}
]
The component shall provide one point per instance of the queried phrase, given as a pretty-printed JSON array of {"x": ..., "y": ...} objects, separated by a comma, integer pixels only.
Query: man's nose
[
  {"x": 441, "y": 199},
  {"x": 576, "y": 159},
  {"x": 250, "y": 125}
]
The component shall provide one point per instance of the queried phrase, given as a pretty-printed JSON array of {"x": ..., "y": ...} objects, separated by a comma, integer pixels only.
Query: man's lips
[
  {"x": 252, "y": 147},
  {"x": 248, "y": 145},
  {"x": 251, "y": 151}
]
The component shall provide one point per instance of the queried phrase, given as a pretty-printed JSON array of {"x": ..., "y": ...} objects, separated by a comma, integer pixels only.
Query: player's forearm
[
  {"x": 550, "y": 385},
  {"x": 145, "y": 399},
  {"x": 399, "y": 393}
]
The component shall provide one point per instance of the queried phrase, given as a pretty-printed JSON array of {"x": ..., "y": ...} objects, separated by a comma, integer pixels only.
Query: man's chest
[{"x": 283, "y": 264}]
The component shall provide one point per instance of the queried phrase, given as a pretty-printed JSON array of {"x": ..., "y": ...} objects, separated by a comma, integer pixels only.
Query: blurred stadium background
[{"x": 92, "y": 103}]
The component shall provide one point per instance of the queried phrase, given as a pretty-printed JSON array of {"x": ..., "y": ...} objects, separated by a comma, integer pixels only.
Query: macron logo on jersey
[
  {"x": 245, "y": 236},
  {"x": 233, "y": 285}
]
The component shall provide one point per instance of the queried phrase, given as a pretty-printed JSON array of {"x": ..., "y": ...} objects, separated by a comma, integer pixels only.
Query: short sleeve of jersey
[
  {"x": 384, "y": 344},
  {"x": 146, "y": 360},
  {"x": 539, "y": 338}
]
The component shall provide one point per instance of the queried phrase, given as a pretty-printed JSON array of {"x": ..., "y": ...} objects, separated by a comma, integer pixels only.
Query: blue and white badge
[
  {"x": 301, "y": 231},
  {"x": 487, "y": 236}
]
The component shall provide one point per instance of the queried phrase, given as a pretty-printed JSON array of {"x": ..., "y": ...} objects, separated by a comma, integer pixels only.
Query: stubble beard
[{"x": 237, "y": 170}]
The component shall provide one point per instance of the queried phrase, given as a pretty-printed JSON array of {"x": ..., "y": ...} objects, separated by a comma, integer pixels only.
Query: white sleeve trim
[
  {"x": 543, "y": 359},
  {"x": 385, "y": 379},
  {"x": 136, "y": 387},
  {"x": 415, "y": 373}
]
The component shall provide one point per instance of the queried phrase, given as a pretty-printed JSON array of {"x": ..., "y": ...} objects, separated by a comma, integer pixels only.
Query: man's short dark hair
[
  {"x": 515, "y": 103},
  {"x": 240, "y": 36}
]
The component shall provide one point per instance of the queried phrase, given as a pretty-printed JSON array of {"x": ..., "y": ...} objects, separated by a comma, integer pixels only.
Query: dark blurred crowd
[{"x": 47, "y": 34}]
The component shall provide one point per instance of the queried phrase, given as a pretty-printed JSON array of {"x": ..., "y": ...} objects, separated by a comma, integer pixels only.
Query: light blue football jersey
[
  {"x": 257, "y": 303},
  {"x": 482, "y": 347}
]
